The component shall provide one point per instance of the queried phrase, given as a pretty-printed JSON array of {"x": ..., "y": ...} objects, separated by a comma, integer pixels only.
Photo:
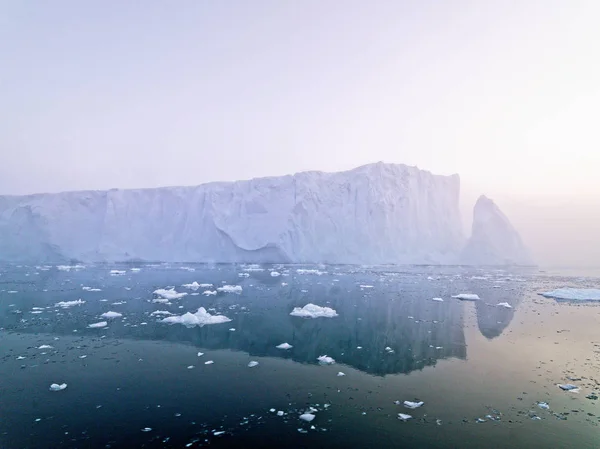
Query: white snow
[
  {"x": 230, "y": 289},
  {"x": 169, "y": 294},
  {"x": 209, "y": 293},
  {"x": 252, "y": 364},
  {"x": 574, "y": 294},
  {"x": 284, "y": 346},
  {"x": 505, "y": 305},
  {"x": 413, "y": 405},
  {"x": 57, "y": 387},
  {"x": 66, "y": 304},
  {"x": 98, "y": 325},
  {"x": 200, "y": 318},
  {"x": 308, "y": 417},
  {"x": 313, "y": 311},
  {"x": 467, "y": 296},
  {"x": 111, "y": 315},
  {"x": 325, "y": 360}
]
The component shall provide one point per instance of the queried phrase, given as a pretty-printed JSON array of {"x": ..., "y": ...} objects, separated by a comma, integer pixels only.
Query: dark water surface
[{"x": 467, "y": 361}]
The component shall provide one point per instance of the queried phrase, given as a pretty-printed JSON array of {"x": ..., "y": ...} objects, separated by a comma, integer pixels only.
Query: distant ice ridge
[
  {"x": 574, "y": 294},
  {"x": 313, "y": 311},
  {"x": 375, "y": 214},
  {"x": 200, "y": 318}
]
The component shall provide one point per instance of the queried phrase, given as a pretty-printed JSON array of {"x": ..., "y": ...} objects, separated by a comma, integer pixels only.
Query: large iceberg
[
  {"x": 494, "y": 240},
  {"x": 374, "y": 214}
]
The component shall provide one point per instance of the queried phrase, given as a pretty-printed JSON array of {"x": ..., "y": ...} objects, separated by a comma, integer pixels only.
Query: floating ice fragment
[
  {"x": 200, "y": 318},
  {"x": 467, "y": 296},
  {"x": 193, "y": 286},
  {"x": 284, "y": 346},
  {"x": 230, "y": 289},
  {"x": 313, "y": 311},
  {"x": 169, "y": 294},
  {"x": 305, "y": 271},
  {"x": 200, "y": 354},
  {"x": 438, "y": 299},
  {"x": 232, "y": 329},
  {"x": 135, "y": 270},
  {"x": 210, "y": 362},
  {"x": 359, "y": 347},
  {"x": 57, "y": 387},
  {"x": 308, "y": 417},
  {"x": 243, "y": 275},
  {"x": 340, "y": 374},
  {"x": 366, "y": 286},
  {"x": 21, "y": 357},
  {"x": 209, "y": 293},
  {"x": 45, "y": 347},
  {"x": 160, "y": 312},
  {"x": 191, "y": 367},
  {"x": 569, "y": 387},
  {"x": 505, "y": 305},
  {"x": 66, "y": 304},
  {"x": 252, "y": 364},
  {"x": 111, "y": 315},
  {"x": 325, "y": 360},
  {"x": 117, "y": 272},
  {"x": 275, "y": 274},
  {"x": 413, "y": 405},
  {"x": 98, "y": 325},
  {"x": 574, "y": 294},
  {"x": 221, "y": 432},
  {"x": 147, "y": 429},
  {"x": 543, "y": 405},
  {"x": 403, "y": 416},
  {"x": 280, "y": 413},
  {"x": 82, "y": 356}
]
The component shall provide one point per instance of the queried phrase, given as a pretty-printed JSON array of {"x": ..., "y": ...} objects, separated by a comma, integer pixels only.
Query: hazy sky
[{"x": 138, "y": 94}]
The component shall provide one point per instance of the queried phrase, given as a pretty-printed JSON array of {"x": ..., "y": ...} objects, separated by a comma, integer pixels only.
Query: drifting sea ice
[
  {"x": 57, "y": 387},
  {"x": 275, "y": 274},
  {"x": 230, "y": 289},
  {"x": 45, "y": 347},
  {"x": 313, "y": 311},
  {"x": 308, "y": 417},
  {"x": 403, "y": 416},
  {"x": 505, "y": 305},
  {"x": 200, "y": 318},
  {"x": 66, "y": 304},
  {"x": 252, "y": 364},
  {"x": 574, "y": 294},
  {"x": 438, "y": 299},
  {"x": 284, "y": 346},
  {"x": 325, "y": 360},
  {"x": 209, "y": 293},
  {"x": 111, "y": 315},
  {"x": 413, "y": 405},
  {"x": 169, "y": 294},
  {"x": 98, "y": 325},
  {"x": 193, "y": 286},
  {"x": 467, "y": 296}
]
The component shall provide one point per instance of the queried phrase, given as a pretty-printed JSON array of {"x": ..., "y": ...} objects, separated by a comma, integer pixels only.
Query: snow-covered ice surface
[
  {"x": 313, "y": 311},
  {"x": 230, "y": 289},
  {"x": 169, "y": 294},
  {"x": 111, "y": 314},
  {"x": 375, "y": 214},
  {"x": 200, "y": 318},
  {"x": 154, "y": 375},
  {"x": 574, "y": 294},
  {"x": 467, "y": 296},
  {"x": 98, "y": 325}
]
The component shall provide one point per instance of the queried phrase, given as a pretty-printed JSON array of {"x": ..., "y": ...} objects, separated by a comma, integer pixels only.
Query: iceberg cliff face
[
  {"x": 493, "y": 241},
  {"x": 375, "y": 214}
]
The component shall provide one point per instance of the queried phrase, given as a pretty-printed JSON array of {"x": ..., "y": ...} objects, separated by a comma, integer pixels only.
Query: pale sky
[{"x": 103, "y": 94}]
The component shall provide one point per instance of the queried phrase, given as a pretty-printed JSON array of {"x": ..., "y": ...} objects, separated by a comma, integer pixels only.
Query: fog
[{"x": 504, "y": 93}]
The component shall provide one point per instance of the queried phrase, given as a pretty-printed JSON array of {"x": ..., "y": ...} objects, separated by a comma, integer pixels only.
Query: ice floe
[
  {"x": 160, "y": 312},
  {"x": 169, "y": 294},
  {"x": 200, "y": 318},
  {"x": 313, "y": 311},
  {"x": 305, "y": 271},
  {"x": 209, "y": 362},
  {"x": 117, "y": 272},
  {"x": 325, "y": 360},
  {"x": 90, "y": 289},
  {"x": 569, "y": 387},
  {"x": 57, "y": 387},
  {"x": 284, "y": 346},
  {"x": 209, "y": 293},
  {"x": 252, "y": 364},
  {"x": 413, "y": 405},
  {"x": 308, "y": 417},
  {"x": 574, "y": 294},
  {"x": 404, "y": 417},
  {"x": 437, "y": 299},
  {"x": 340, "y": 374},
  {"x": 467, "y": 296},
  {"x": 45, "y": 347},
  {"x": 504, "y": 304},
  {"x": 193, "y": 286},
  {"x": 230, "y": 289},
  {"x": 111, "y": 314},
  {"x": 98, "y": 325},
  {"x": 275, "y": 274},
  {"x": 66, "y": 304}
]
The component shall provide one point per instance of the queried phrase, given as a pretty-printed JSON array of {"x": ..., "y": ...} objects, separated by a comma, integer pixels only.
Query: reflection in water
[{"x": 378, "y": 308}]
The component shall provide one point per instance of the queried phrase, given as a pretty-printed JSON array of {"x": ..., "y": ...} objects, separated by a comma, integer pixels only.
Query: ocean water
[{"x": 482, "y": 370}]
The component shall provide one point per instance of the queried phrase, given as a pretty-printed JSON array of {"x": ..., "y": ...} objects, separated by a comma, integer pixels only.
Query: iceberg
[
  {"x": 403, "y": 416},
  {"x": 98, "y": 325},
  {"x": 467, "y": 296},
  {"x": 325, "y": 360},
  {"x": 209, "y": 293},
  {"x": 413, "y": 405},
  {"x": 252, "y": 364},
  {"x": 308, "y": 417},
  {"x": 313, "y": 311},
  {"x": 574, "y": 294},
  {"x": 284, "y": 346},
  {"x": 65, "y": 304},
  {"x": 169, "y": 294},
  {"x": 200, "y": 318},
  {"x": 193, "y": 286},
  {"x": 57, "y": 387},
  {"x": 494, "y": 240},
  {"x": 111, "y": 315},
  {"x": 230, "y": 289}
]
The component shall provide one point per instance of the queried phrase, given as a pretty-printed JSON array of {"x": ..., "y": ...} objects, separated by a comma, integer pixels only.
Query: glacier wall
[{"x": 375, "y": 214}]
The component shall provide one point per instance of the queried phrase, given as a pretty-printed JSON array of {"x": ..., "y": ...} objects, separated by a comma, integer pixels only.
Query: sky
[{"x": 98, "y": 95}]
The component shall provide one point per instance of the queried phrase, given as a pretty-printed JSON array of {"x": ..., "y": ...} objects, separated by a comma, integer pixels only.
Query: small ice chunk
[
  {"x": 146, "y": 429},
  {"x": 308, "y": 417},
  {"x": 200, "y": 318},
  {"x": 111, "y": 315},
  {"x": 574, "y": 294},
  {"x": 117, "y": 272},
  {"x": 135, "y": 270},
  {"x": 232, "y": 329},
  {"x": 243, "y": 275},
  {"x": 65, "y": 304},
  {"x": 413, "y": 405},
  {"x": 45, "y": 347},
  {"x": 57, "y": 387},
  {"x": 220, "y": 432},
  {"x": 284, "y": 346},
  {"x": 359, "y": 347},
  {"x": 366, "y": 286},
  {"x": 467, "y": 296},
  {"x": 505, "y": 305},
  {"x": 209, "y": 362},
  {"x": 21, "y": 357},
  {"x": 160, "y": 312},
  {"x": 252, "y": 364},
  {"x": 438, "y": 299},
  {"x": 325, "y": 360},
  {"x": 275, "y": 274},
  {"x": 313, "y": 311},
  {"x": 340, "y": 374},
  {"x": 569, "y": 387},
  {"x": 403, "y": 416},
  {"x": 169, "y": 294},
  {"x": 191, "y": 367},
  {"x": 200, "y": 354},
  {"x": 82, "y": 356},
  {"x": 543, "y": 405},
  {"x": 193, "y": 286},
  {"x": 280, "y": 413},
  {"x": 230, "y": 289},
  {"x": 98, "y": 325},
  {"x": 305, "y": 271},
  {"x": 209, "y": 293}
]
